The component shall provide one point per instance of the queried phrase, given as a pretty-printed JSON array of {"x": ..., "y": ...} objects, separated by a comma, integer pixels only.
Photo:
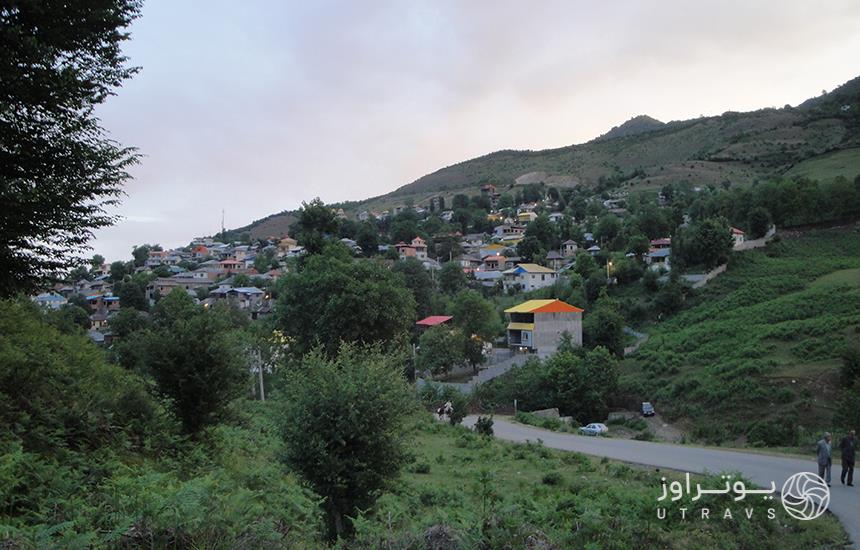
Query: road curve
[{"x": 758, "y": 468}]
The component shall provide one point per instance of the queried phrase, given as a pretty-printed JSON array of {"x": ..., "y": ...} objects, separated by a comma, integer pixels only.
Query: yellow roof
[
  {"x": 529, "y": 306},
  {"x": 492, "y": 246},
  {"x": 521, "y": 326}
]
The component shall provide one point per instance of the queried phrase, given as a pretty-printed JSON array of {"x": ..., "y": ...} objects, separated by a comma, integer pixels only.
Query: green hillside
[
  {"x": 755, "y": 357},
  {"x": 845, "y": 163},
  {"x": 644, "y": 153}
]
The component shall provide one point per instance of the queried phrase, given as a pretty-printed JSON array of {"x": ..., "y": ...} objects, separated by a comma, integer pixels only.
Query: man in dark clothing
[
  {"x": 824, "y": 460},
  {"x": 848, "y": 445}
]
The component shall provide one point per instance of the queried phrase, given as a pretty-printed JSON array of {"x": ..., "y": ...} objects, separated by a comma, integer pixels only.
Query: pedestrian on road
[
  {"x": 848, "y": 445},
  {"x": 824, "y": 458}
]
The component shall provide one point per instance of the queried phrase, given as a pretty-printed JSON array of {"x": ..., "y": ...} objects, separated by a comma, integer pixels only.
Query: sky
[{"x": 253, "y": 107}]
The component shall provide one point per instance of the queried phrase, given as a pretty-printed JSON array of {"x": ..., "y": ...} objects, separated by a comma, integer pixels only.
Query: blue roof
[{"x": 248, "y": 290}]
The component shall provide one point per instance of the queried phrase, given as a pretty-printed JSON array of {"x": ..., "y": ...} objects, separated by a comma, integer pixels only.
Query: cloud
[{"x": 253, "y": 108}]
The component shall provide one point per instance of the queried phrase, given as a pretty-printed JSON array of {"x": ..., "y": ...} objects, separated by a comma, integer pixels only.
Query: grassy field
[
  {"x": 492, "y": 494},
  {"x": 829, "y": 166},
  {"x": 754, "y": 358}
]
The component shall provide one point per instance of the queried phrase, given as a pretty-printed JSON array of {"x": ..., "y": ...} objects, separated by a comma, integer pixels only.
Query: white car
[{"x": 595, "y": 428}]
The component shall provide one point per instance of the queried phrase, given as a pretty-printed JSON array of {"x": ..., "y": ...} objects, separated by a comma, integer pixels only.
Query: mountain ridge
[{"x": 645, "y": 153}]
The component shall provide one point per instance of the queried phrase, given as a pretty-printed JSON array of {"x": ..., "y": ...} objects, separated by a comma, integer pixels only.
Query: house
[
  {"x": 286, "y": 244},
  {"x": 503, "y": 231},
  {"x": 493, "y": 263},
  {"x": 554, "y": 259},
  {"x": 538, "y": 325},
  {"x": 416, "y": 249},
  {"x": 102, "y": 302},
  {"x": 528, "y": 277},
  {"x": 249, "y": 297},
  {"x": 739, "y": 237},
  {"x": 526, "y": 217},
  {"x": 488, "y": 278},
  {"x": 50, "y": 300},
  {"x": 568, "y": 248},
  {"x": 593, "y": 250},
  {"x": 665, "y": 242},
  {"x": 556, "y": 217},
  {"x": 658, "y": 258},
  {"x": 434, "y": 320},
  {"x": 231, "y": 266},
  {"x": 363, "y": 216},
  {"x": 469, "y": 262},
  {"x": 491, "y": 250},
  {"x": 489, "y": 191},
  {"x": 200, "y": 251},
  {"x": 164, "y": 285},
  {"x": 447, "y": 215}
]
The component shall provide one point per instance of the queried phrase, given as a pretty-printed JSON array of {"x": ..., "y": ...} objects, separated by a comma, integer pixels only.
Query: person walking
[
  {"x": 848, "y": 445},
  {"x": 824, "y": 458}
]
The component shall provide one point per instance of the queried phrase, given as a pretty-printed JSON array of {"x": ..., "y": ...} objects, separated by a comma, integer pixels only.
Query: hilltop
[
  {"x": 644, "y": 153},
  {"x": 636, "y": 125}
]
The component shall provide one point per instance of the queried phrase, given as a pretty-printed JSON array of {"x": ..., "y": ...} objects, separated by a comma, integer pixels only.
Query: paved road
[{"x": 758, "y": 468}]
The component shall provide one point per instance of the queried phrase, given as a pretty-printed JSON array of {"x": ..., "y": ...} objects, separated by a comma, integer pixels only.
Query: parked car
[
  {"x": 647, "y": 409},
  {"x": 594, "y": 428}
]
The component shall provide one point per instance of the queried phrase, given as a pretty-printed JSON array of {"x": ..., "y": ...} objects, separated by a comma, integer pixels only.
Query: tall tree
[
  {"x": 451, "y": 278},
  {"x": 195, "y": 358},
  {"x": 59, "y": 172},
  {"x": 315, "y": 225},
  {"x": 418, "y": 281},
  {"x": 335, "y": 298}
]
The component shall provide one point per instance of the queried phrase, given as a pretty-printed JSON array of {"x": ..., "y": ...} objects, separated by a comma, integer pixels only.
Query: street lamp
[{"x": 608, "y": 265}]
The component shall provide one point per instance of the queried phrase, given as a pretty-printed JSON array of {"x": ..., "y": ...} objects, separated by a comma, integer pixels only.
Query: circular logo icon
[{"x": 805, "y": 496}]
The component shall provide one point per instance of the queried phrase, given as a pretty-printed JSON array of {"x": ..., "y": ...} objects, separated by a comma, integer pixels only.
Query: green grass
[
  {"x": 829, "y": 166},
  {"x": 754, "y": 358},
  {"x": 493, "y": 494}
]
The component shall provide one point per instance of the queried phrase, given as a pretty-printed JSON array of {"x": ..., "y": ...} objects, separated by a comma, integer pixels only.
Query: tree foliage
[
  {"x": 334, "y": 298},
  {"x": 343, "y": 422},
  {"x": 194, "y": 357},
  {"x": 439, "y": 349},
  {"x": 59, "y": 172},
  {"x": 316, "y": 224},
  {"x": 451, "y": 278}
]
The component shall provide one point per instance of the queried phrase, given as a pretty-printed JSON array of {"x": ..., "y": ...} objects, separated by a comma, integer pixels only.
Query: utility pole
[{"x": 223, "y": 232}]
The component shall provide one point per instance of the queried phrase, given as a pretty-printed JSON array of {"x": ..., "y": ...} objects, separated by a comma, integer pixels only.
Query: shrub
[
  {"x": 484, "y": 425},
  {"x": 552, "y": 478}
]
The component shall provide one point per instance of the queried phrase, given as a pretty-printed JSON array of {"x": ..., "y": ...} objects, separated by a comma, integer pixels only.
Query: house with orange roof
[
  {"x": 538, "y": 325},
  {"x": 416, "y": 249}
]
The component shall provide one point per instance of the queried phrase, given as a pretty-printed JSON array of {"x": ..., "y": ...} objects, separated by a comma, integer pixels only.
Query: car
[
  {"x": 595, "y": 428},
  {"x": 647, "y": 409}
]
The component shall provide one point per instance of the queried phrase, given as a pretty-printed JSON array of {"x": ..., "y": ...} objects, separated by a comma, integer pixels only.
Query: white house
[{"x": 527, "y": 277}]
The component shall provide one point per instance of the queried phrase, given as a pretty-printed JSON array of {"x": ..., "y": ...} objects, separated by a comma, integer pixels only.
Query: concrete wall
[{"x": 550, "y": 326}]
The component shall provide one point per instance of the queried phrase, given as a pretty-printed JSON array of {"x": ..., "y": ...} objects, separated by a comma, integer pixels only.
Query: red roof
[{"x": 434, "y": 320}]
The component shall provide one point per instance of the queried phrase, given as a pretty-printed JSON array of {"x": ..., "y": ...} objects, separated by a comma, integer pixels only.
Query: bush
[
  {"x": 484, "y": 425},
  {"x": 343, "y": 423},
  {"x": 552, "y": 478}
]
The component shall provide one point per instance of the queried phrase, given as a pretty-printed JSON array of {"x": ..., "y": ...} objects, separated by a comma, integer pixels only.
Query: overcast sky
[{"x": 254, "y": 106}]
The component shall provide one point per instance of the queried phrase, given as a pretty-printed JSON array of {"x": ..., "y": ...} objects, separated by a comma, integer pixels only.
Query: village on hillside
[{"x": 512, "y": 243}]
